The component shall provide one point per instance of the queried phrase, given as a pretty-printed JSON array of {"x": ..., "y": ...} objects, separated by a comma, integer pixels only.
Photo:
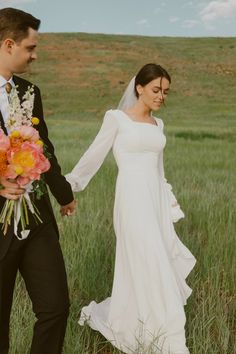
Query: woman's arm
[
  {"x": 93, "y": 158},
  {"x": 176, "y": 212}
]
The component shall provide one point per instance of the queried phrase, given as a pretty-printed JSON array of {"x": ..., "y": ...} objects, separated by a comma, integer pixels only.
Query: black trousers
[{"x": 39, "y": 260}]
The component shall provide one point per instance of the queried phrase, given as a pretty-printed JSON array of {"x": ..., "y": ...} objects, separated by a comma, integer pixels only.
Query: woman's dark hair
[
  {"x": 15, "y": 24},
  {"x": 148, "y": 73}
]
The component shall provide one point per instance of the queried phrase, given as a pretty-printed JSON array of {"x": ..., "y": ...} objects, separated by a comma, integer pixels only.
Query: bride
[{"x": 145, "y": 313}]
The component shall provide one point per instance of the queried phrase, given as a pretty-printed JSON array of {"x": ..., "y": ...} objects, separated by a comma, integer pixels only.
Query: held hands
[
  {"x": 9, "y": 189},
  {"x": 68, "y": 209}
]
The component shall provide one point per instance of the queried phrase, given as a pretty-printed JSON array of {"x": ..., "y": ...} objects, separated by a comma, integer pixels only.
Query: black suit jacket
[{"x": 57, "y": 183}]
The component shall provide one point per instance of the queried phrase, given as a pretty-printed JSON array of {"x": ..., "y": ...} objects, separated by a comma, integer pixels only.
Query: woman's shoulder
[
  {"x": 111, "y": 118},
  {"x": 114, "y": 112},
  {"x": 159, "y": 122}
]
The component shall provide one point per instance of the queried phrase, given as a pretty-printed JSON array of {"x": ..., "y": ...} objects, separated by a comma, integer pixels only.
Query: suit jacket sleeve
[{"x": 57, "y": 183}]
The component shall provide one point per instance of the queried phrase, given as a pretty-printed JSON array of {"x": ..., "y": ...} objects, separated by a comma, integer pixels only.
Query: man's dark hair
[{"x": 14, "y": 24}]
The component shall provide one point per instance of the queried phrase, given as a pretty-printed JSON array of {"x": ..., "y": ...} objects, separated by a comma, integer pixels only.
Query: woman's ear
[{"x": 139, "y": 89}]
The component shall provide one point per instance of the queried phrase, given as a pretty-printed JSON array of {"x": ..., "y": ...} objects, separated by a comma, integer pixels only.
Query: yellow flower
[
  {"x": 24, "y": 159},
  {"x": 39, "y": 142},
  {"x": 19, "y": 170},
  {"x": 35, "y": 121},
  {"x": 15, "y": 134}
]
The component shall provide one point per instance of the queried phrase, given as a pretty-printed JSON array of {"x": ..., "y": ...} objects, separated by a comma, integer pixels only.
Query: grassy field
[{"x": 81, "y": 76}]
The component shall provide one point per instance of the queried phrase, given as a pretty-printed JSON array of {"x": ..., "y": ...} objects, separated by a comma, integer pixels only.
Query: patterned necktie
[{"x": 8, "y": 87}]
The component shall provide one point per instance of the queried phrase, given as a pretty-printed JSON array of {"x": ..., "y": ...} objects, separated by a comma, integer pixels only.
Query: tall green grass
[{"x": 83, "y": 75}]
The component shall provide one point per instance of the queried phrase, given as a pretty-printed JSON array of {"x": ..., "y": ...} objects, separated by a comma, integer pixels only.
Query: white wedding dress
[{"x": 145, "y": 313}]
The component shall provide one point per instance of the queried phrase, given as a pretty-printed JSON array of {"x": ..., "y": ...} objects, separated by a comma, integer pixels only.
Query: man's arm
[{"x": 57, "y": 183}]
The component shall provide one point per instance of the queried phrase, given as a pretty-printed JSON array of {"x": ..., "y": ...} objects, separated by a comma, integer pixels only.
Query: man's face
[{"x": 24, "y": 52}]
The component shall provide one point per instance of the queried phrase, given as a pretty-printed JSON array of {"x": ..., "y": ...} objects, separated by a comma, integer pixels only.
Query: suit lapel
[{"x": 2, "y": 124}]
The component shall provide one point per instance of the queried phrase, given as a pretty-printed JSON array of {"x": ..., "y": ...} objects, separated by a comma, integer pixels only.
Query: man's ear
[{"x": 8, "y": 44}]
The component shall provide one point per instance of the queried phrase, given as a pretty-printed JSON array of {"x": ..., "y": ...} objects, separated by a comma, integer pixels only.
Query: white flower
[{"x": 20, "y": 113}]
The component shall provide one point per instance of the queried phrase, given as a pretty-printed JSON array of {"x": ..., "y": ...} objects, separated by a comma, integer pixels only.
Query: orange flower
[
  {"x": 3, "y": 162},
  {"x": 16, "y": 142}
]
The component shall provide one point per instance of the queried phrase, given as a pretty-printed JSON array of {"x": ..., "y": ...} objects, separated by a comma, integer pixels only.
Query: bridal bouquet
[{"x": 23, "y": 159}]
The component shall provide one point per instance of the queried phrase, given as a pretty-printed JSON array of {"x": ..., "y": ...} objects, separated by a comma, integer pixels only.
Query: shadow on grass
[{"x": 204, "y": 135}]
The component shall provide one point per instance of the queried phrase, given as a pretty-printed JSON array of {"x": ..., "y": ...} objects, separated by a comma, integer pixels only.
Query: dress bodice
[
  {"x": 137, "y": 144},
  {"x": 136, "y": 147}
]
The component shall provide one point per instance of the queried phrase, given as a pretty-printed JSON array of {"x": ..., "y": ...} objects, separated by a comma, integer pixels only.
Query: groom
[{"x": 38, "y": 258}]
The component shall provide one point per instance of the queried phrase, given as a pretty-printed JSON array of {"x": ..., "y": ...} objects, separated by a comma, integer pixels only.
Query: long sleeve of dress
[
  {"x": 176, "y": 212},
  {"x": 93, "y": 158}
]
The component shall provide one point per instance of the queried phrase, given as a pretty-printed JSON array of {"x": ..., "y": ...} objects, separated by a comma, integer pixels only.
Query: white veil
[{"x": 129, "y": 98}]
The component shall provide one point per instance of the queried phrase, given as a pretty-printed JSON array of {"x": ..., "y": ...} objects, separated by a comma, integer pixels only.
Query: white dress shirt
[{"x": 4, "y": 104}]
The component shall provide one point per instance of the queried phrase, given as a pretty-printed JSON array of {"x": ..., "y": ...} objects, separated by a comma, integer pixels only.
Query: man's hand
[
  {"x": 11, "y": 189},
  {"x": 68, "y": 209}
]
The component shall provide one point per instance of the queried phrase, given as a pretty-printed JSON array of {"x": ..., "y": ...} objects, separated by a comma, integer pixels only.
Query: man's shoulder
[{"x": 23, "y": 82}]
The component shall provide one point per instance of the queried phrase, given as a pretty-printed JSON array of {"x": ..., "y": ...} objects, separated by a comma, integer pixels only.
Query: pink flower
[
  {"x": 4, "y": 141},
  {"x": 28, "y": 133},
  {"x": 26, "y": 162},
  {"x": 22, "y": 181}
]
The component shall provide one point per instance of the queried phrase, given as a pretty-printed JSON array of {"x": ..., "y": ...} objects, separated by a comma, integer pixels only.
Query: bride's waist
[
  {"x": 140, "y": 168},
  {"x": 137, "y": 161}
]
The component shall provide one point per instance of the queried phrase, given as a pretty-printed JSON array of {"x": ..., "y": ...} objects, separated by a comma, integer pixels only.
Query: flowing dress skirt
[{"x": 145, "y": 313}]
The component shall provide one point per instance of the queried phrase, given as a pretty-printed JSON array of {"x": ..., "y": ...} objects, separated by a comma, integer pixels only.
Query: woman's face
[{"x": 154, "y": 93}]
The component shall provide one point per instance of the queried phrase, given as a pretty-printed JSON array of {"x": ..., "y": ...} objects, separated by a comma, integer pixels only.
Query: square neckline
[{"x": 137, "y": 122}]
